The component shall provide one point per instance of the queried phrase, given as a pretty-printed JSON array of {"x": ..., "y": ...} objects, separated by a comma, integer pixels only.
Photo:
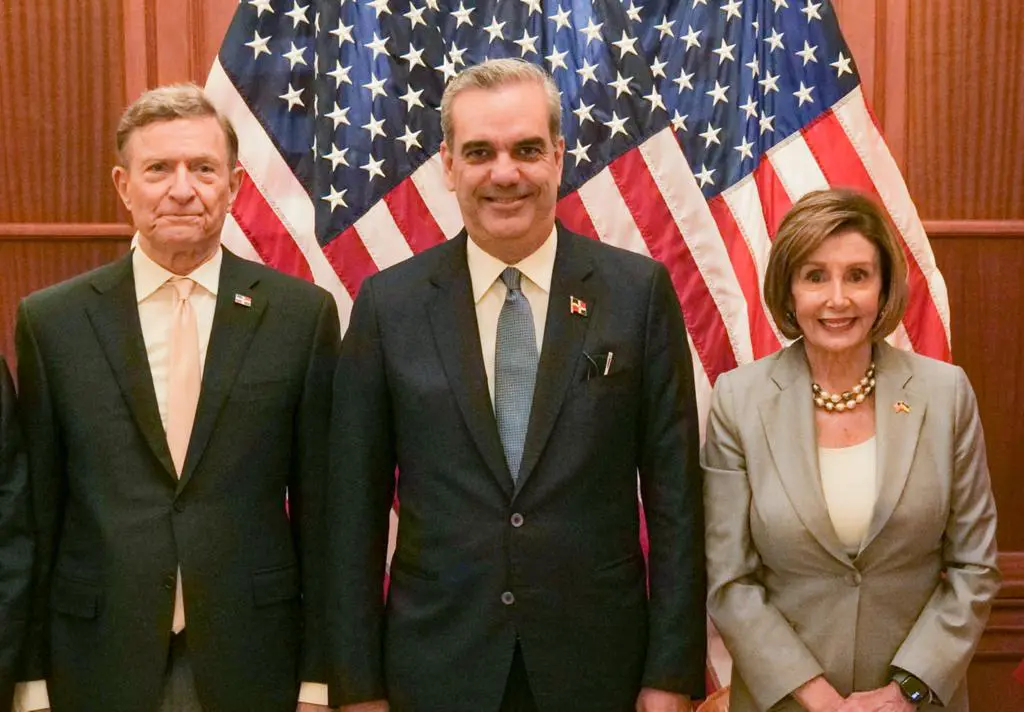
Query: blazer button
[
  {"x": 507, "y": 598},
  {"x": 517, "y": 520},
  {"x": 179, "y": 506},
  {"x": 170, "y": 582},
  {"x": 854, "y": 579}
]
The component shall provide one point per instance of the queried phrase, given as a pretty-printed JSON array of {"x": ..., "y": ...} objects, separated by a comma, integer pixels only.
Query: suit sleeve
[
  {"x": 16, "y": 544},
  {"x": 359, "y": 497},
  {"x": 737, "y": 601},
  {"x": 954, "y": 618},
  {"x": 670, "y": 481}
]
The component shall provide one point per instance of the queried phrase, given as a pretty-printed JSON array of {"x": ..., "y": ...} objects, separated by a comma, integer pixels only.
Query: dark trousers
[
  {"x": 179, "y": 694},
  {"x": 518, "y": 697}
]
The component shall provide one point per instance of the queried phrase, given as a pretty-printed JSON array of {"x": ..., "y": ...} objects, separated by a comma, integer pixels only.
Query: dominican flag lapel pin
[
  {"x": 577, "y": 306},
  {"x": 901, "y": 407},
  {"x": 244, "y": 300}
]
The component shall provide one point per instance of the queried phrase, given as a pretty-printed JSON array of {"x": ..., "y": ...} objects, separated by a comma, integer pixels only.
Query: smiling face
[
  {"x": 837, "y": 294},
  {"x": 504, "y": 167},
  {"x": 178, "y": 186}
]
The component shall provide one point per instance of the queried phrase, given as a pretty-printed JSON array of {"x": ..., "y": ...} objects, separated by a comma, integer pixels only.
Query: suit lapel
[
  {"x": 233, "y": 328},
  {"x": 788, "y": 421},
  {"x": 457, "y": 337},
  {"x": 114, "y": 315},
  {"x": 564, "y": 335},
  {"x": 896, "y": 432}
]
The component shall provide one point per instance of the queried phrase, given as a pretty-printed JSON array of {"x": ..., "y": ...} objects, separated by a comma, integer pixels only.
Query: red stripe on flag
[
  {"x": 666, "y": 244},
  {"x": 775, "y": 202},
  {"x": 413, "y": 217},
  {"x": 268, "y": 235},
  {"x": 762, "y": 337},
  {"x": 843, "y": 168},
  {"x": 350, "y": 259},
  {"x": 573, "y": 214}
]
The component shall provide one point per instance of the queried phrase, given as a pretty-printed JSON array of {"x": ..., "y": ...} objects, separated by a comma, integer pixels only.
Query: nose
[
  {"x": 504, "y": 170},
  {"x": 182, "y": 188},
  {"x": 837, "y": 296}
]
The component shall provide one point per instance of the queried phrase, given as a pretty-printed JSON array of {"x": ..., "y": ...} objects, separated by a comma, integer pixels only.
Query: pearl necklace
[{"x": 847, "y": 400}]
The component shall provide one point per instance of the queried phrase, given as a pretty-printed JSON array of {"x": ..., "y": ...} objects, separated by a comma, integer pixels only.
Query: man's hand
[
  {"x": 374, "y": 706},
  {"x": 884, "y": 699},
  {"x": 310, "y": 707},
  {"x": 651, "y": 700}
]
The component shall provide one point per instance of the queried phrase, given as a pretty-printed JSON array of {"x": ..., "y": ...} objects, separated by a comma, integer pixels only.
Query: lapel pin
[
  {"x": 901, "y": 407},
  {"x": 243, "y": 300},
  {"x": 577, "y": 306}
]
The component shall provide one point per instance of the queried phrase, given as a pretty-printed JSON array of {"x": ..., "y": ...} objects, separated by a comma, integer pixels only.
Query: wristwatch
[{"x": 913, "y": 689}]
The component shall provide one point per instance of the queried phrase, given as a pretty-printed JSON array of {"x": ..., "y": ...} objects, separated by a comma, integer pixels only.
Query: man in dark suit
[
  {"x": 519, "y": 377},
  {"x": 15, "y": 539},
  {"x": 171, "y": 400}
]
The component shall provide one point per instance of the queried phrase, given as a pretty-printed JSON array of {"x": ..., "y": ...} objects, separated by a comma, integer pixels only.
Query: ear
[
  {"x": 446, "y": 162},
  {"x": 119, "y": 174},
  {"x": 234, "y": 182},
  {"x": 559, "y": 153}
]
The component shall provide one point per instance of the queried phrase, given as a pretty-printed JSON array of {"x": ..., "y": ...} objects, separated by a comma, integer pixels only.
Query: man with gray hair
[
  {"x": 519, "y": 377},
  {"x": 171, "y": 400}
]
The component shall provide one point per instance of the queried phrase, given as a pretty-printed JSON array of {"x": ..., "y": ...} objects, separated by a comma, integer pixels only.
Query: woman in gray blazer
[{"x": 850, "y": 520}]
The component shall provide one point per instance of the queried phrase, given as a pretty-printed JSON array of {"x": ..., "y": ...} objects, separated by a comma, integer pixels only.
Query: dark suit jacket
[
  {"x": 411, "y": 391},
  {"x": 16, "y": 546},
  {"x": 114, "y": 521}
]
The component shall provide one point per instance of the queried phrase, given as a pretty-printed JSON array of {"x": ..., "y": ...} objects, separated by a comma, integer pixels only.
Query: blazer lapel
[
  {"x": 114, "y": 315},
  {"x": 564, "y": 335},
  {"x": 896, "y": 432},
  {"x": 788, "y": 420},
  {"x": 233, "y": 329},
  {"x": 453, "y": 321}
]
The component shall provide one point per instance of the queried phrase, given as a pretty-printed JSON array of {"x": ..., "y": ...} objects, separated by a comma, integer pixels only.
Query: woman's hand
[
  {"x": 818, "y": 695},
  {"x": 884, "y": 699}
]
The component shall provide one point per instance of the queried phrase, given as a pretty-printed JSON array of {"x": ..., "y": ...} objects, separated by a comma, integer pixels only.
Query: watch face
[{"x": 913, "y": 689}]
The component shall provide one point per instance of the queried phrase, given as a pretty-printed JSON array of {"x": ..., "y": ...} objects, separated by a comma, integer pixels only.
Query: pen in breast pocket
[{"x": 608, "y": 363}]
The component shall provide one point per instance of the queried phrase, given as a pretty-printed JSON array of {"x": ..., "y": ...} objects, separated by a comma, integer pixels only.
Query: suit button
[
  {"x": 179, "y": 507},
  {"x": 854, "y": 579},
  {"x": 170, "y": 582},
  {"x": 507, "y": 598},
  {"x": 517, "y": 520}
]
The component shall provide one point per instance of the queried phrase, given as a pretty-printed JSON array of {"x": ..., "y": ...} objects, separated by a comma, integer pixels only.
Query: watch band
[{"x": 913, "y": 688}]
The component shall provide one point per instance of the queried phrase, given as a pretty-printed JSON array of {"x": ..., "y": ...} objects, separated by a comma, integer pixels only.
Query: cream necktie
[{"x": 183, "y": 383}]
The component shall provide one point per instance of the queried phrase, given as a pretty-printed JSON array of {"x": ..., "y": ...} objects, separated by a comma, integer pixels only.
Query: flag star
[
  {"x": 699, "y": 2},
  {"x": 447, "y": 68},
  {"x": 340, "y": 74},
  {"x": 557, "y": 59},
  {"x": 625, "y": 45},
  {"x": 765, "y": 123},
  {"x": 633, "y": 13},
  {"x": 588, "y": 72},
  {"x": 724, "y": 52},
  {"x": 495, "y": 30},
  {"x": 380, "y": 7},
  {"x": 410, "y": 138},
  {"x": 583, "y": 113},
  {"x": 621, "y": 85},
  {"x": 294, "y": 56},
  {"x": 462, "y": 15},
  {"x": 293, "y": 96},
  {"x": 775, "y": 41},
  {"x": 533, "y": 6},
  {"x": 526, "y": 44},
  {"x": 456, "y": 54},
  {"x": 683, "y": 80},
  {"x": 412, "y": 98},
  {"x": 665, "y": 28},
  {"x": 415, "y": 16},
  {"x": 343, "y": 33},
  {"x": 704, "y": 175},
  {"x": 617, "y": 125},
  {"x": 316, "y": 29},
  {"x": 811, "y": 10},
  {"x": 710, "y": 135},
  {"x": 842, "y": 65},
  {"x": 692, "y": 37},
  {"x": 432, "y": 4},
  {"x": 337, "y": 157},
  {"x": 807, "y": 53},
  {"x": 679, "y": 121},
  {"x": 339, "y": 115},
  {"x": 592, "y": 31},
  {"x": 561, "y": 19},
  {"x": 375, "y": 127},
  {"x": 780, "y": 4},
  {"x": 298, "y": 14},
  {"x": 754, "y": 66},
  {"x": 373, "y": 168},
  {"x": 732, "y": 9},
  {"x": 770, "y": 83},
  {"x": 750, "y": 108},
  {"x": 655, "y": 99},
  {"x": 258, "y": 45},
  {"x": 378, "y": 45},
  {"x": 658, "y": 68},
  {"x": 803, "y": 94},
  {"x": 580, "y": 152},
  {"x": 376, "y": 87},
  {"x": 414, "y": 57},
  {"x": 261, "y": 6},
  {"x": 335, "y": 198},
  {"x": 745, "y": 149},
  {"x": 718, "y": 93}
]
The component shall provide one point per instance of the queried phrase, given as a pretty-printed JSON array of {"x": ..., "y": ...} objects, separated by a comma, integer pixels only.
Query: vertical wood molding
[
  {"x": 891, "y": 88},
  {"x": 858, "y": 20},
  {"x": 137, "y": 49}
]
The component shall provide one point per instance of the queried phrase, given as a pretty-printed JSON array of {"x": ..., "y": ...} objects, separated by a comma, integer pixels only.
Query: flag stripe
[
  {"x": 430, "y": 184},
  {"x": 350, "y": 258},
  {"x": 268, "y": 237},
  {"x": 413, "y": 217},
  {"x": 574, "y": 215},
  {"x": 774, "y": 198},
  {"x": 232, "y": 237}
]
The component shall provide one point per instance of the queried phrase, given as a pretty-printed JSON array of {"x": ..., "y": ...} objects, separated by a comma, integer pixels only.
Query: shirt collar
[
  {"x": 149, "y": 276},
  {"x": 485, "y": 268}
]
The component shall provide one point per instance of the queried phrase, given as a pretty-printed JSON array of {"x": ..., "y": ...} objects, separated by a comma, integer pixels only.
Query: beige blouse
[{"x": 849, "y": 481}]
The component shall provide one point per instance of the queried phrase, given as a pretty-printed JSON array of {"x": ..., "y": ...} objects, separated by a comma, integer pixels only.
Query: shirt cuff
[
  {"x": 32, "y": 695},
  {"x": 313, "y": 693}
]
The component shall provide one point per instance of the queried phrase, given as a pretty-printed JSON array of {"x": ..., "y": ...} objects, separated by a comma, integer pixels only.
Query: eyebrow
[{"x": 522, "y": 143}]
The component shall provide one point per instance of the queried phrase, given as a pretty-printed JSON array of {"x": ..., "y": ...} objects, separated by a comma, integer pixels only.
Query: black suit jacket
[
  {"x": 16, "y": 547},
  {"x": 411, "y": 391},
  {"x": 114, "y": 521}
]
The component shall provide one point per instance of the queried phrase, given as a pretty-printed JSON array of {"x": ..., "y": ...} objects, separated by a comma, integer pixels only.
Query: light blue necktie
[{"x": 515, "y": 370}]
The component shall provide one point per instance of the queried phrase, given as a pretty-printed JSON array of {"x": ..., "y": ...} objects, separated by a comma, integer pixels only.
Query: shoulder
[
  {"x": 936, "y": 375},
  {"x": 64, "y": 295},
  {"x": 614, "y": 261},
  {"x": 752, "y": 378}
]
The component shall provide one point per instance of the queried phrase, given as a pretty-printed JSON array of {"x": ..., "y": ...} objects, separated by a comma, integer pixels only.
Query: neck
[
  {"x": 180, "y": 263},
  {"x": 837, "y": 371},
  {"x": 512, "y": 252}
]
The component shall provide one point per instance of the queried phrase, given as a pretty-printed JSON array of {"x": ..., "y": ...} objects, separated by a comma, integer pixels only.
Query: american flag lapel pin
[
  {"x": 901, "y": 407},
  {"x": 244, "y": 300},
  {"x": 577, "y": 306}
]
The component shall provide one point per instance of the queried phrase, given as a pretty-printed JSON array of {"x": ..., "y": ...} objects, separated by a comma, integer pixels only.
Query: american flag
[{"x": 691, "y": 127}]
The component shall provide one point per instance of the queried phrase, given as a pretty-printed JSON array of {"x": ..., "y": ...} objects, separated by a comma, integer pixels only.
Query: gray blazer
[{"x": 789, "y": 602}]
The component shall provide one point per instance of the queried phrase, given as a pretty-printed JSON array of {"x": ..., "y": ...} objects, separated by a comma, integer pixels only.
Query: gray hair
[
  {"x": 496, "y": 73},
  {"x": 174, "y": 101}
]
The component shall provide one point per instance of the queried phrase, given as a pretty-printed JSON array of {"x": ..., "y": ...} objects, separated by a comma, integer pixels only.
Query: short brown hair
[
  {"x": 496, "y": 73},
  {"x": 814, "y": 218},
  {"x": 174, "y": 101}
]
